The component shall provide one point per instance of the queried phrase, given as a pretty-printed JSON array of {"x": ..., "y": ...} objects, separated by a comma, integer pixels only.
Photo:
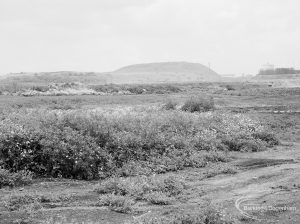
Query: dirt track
[
  {"x": 270, "y": 178},
  {"x": 266, "y": 179}
]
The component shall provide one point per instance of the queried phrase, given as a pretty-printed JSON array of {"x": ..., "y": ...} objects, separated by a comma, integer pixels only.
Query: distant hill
[{"x": 164, "y": 72}]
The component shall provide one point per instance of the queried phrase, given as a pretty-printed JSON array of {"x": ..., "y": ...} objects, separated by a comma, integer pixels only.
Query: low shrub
[
  {"x": 230, "y": 87},
  {"x": 170, "y": 105},
  {"x": 138, "y": 187},
  {"x": 26, "y": 200},
  {"x": 136, "y": 90},
  {"x": 220, "y": 168},
  {"x": 40, "y": 88},
  {"x": 22, "y": 201},
  {"x": 172, "y": 89},
  {"x": 208, "y": 215},
  {"x": 20, "y": 178},
  {"x": 120, "y": 193},
  {"x": 118, "y": 203},
  {"x": 251, "y": 145},
  {"x": 244, "y": 145},
  {"x": 112, "y": 185},
  {"x": 158, "y": 198},
  {"x": 51, "y": 198},
  {"x": 170, "y": 185},
  {"x": 198, "y": 104},
  {"x": 88, "y": 145},
  {"x": 135, "y": 168},
  {"x": 55, "y": 152},
  {"x": 267, "y": 137}
]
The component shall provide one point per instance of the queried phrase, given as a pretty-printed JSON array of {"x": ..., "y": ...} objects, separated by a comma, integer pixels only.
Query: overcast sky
[{"x": 234, "y": 36}]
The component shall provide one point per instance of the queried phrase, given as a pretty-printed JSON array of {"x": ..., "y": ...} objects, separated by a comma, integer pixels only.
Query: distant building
[{"x": 269, "y": 69}]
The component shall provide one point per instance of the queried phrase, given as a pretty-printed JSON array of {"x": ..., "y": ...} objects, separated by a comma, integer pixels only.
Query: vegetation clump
[
  {"x": 207, "y": 215},
  {"x": 170, "y": 105},
  {"x": 117, "y": 203},
  {"x": 267, "y": 137},
  {"x": 120, "y": 194},
  {"x": 198, "y": 104},
  {"x": 140, "y": 186},
  {"x": 23, "y": 201},
  {"x": 11, "y": 179},
  {"x": 219, "y": 168},
  {"x": 88, "y": 145},
  {"x": 159, "y": 198},
  {"x": 230, "y": 87}
]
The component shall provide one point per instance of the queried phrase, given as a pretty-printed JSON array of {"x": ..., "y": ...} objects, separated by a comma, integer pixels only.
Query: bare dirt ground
[{"x": 269, "y": 178}]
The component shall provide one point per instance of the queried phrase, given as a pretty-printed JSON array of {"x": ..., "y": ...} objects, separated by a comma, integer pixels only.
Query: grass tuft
[
  {"x": 117, "y": 203},
  {"x": 159, "y": 198},
  {"x": 170, "y": 105},
  {"x": 20, "y": 178}
]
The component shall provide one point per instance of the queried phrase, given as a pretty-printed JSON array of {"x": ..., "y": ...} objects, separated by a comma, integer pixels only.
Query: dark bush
[
  {"x": 243, "y": 145},
  {"x": 173, "y": 89},
  {"x": 251, "y": 146},
  {"x": 267, "y": 137},
  {"x": 40, "y": 88},
  {"x": 111, "y": 88},
  {"x": 198, "y": 104},
  {"x": 65, "y": 153},
  {"x": 72, "y": 154},
  {"x": 229, "y": 87},
  {"x": 136, "y": 90},
  {"x": 20, "y": 152}
]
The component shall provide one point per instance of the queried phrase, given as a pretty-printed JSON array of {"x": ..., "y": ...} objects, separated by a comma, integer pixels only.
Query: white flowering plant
[{"x": 95, "y": 144}]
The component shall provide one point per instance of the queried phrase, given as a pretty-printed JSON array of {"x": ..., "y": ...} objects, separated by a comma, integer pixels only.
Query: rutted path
[{"x": 266, "y": 179}]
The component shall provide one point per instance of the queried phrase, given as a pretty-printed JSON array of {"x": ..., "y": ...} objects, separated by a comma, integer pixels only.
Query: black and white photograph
[{"x": 149, "y": 111}]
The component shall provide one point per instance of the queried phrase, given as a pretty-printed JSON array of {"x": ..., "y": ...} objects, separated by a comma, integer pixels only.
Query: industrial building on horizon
[{"x": 269, "y": 69}]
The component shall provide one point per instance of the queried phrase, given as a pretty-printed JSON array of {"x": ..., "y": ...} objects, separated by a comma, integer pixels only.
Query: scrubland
[
  {"x": 89, "y": 145},
  {"x": 147, "y": 157}
]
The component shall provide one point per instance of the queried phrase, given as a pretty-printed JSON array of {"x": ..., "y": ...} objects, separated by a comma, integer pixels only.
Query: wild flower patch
[{"x": 91, "y": 144}]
